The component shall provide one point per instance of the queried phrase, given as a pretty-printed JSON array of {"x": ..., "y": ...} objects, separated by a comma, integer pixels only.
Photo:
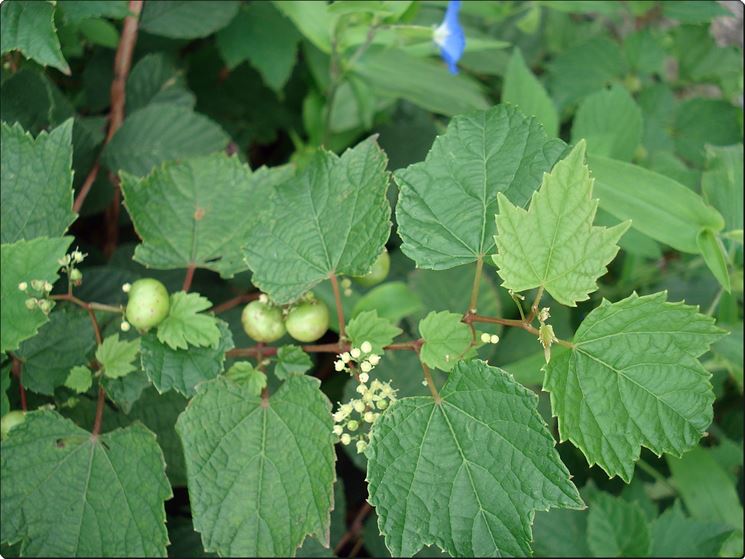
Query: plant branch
[
  {"x": 339, "y": 308},
  {"x": 99, "y": 411},
  {"x": 534, "y": 306},
  {"x": 234, "y": 302},
  {"x": 268, "y": 351},
  {"x": 88, "y": 307},
  {"x": 476, "y": 282},
  {"x": 525, "y": 325},
  {"x": 430, "y": 382},
  {"x": 188, "y": 278},
  {"x": 17, "y": 368},
  {"x": 354, "y": 528},
  {"x": 85, "y": 189}
]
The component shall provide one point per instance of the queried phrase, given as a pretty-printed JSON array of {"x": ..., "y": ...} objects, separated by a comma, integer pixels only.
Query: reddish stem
[
  {"x": 234, "y": 302},
  {"x": 17, "y": 369},
  {"x": 189, "y": 277},
  {"x": 87, "y": 306},
  {"x": 89, "y": 180},
  {"x": 99, "y": 411},
  {"x": 355, "y": 527}
]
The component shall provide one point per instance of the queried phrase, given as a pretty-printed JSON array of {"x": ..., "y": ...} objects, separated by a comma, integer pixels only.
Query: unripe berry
[
  {"x": 378, "y": 272},
  {"x": 308, "y": 321},
  {"x": 263, "y": 322},
  {"x": 76, "y": 275},
  {"x": 353, "y": 425},
  {"x": 148, "y": 304}
]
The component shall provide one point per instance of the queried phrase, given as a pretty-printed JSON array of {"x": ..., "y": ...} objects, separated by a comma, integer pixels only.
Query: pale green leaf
[
  {"x": 700, "y": 121},
  {"x": 522, "y": 88},
  {"x": 80, "y": 379},
  {"x": 468, "y": 472},
  {"x": 65, "y": 493},
  {"x": 312, "y": 18},
  {"x": 446, "y": 204},
  {"x": 29, "y": 27},
  {"x": 36, "y": 197},
  {"x": 392, "y": 300},
  {"x": 331, "y": 218},
  {"x": 187, "y": 19},
  {"x": 25, "y": 261},
  {"x": 722, "y": 183},
  {"x": 161, "y": 132},
  {"x": 712, "y": 249},
  {"x": 182, "y": 369},
  {"x": 243, "y": 373},
  {"x": 554, "y": 244},
  {"x": 676, "y": 535},
  {"x": 729, "y": 350},
  {"x": 291, "y": 360},
  {"x": 369, "y": 327},
  {"x": 611, "y": 122},
  {"x": 264, "y": 37},
  {"x": 156, "y": 79},
  {"x": 182, "y": 211},
  {"x": 117, "y": 356},
  {"x": 633, "y": 379},
  {"x": 260, "y": 463},
  {"x": 616, "y": 528},
  {"x": 446, "y": 339},
  {"x": 63, "y": 342},
  {"x": 185, "y": 324}
]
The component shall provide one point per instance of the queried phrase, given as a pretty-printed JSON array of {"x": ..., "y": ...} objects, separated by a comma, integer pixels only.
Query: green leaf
[
  {"x": 658, "y": 206},
  {"x": 437, "y": 470},
  {"x": 4, "y": 385},
  {"x": 183, "y": 369},
  {"x": 63, "y": 342},
  {"x": 26, "y": 100},
  {"x": 187, "y": 19},
  {"x": 184, "y": 324},
  {"x": 446, "y": 339},
  {"x": 158, "y": 133},
  {"x": 560, "y": 533},
  {"x": 117, "y": 357},
  {"x": 80, "y": 379},
  {"x": 331, "y": 218},
  {"x": 523, "y": 89},
  {"x": 156, "y": 79},
  {"x": 369, "y": 327},
  {"x": 264, "y": 37},
  {"x": 245, "y": 374},
  {"x": 446, "y": 203},
  {"x": 108, "y": 490},
  {"x": 392, "y": 300},
  {"x": 78, "y": 10},
  {"x": 25, "y": 261},
  {"x": 584, "y": 69},
  {"x": 617, "y": 528},
  {"x": 394, "y": 73},
  {"x": 730, "y": 351},
  {"x": 181, "y": 211},
  {"x": 632, "y": 379},
  {"x": 693, "y": 12},
  {"x": 554, "y": 244},
  {"x": 291, "y": 360},
  {"x": 259, "y": 462},
  {"x": 722, "y": 183},
  {"x": 611, "y": 122},
  {"x": 312, "y": 18},
  {"x": 36, "y": 198},
  {"x": 676, "y": 535},
  {"x": 702, "y": 121},
  {"x": 711, "y": 248},
  {"x": 29, "y": 27},
  {"x": 126, "y": 391},
  {"x": 100, "y": 32}
]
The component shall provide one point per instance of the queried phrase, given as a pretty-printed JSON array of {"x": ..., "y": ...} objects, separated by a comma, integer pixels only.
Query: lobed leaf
[
  {"x": 369, "y": 327},
  {"x": 446, "y": 339},
  {"x": 117, "y": 356},
  {"x": 185, "y": 324}
]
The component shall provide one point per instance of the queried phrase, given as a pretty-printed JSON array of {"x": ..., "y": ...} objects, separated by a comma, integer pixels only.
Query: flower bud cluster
[
  {"x": 363, "y": 356},
  {"x": 68, "y": 263},
  {"x": 39, "y": 291},
  {"x": 489, "y": 338},
  {"x": 346, "y": 285}
]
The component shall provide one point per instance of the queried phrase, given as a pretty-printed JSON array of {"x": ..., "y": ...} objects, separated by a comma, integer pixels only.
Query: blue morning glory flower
[{"x": 450, "y": 38}]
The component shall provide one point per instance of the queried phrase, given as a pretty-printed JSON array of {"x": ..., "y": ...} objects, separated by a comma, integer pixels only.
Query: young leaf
[
  {"x": 446, "y": 339},
  {"x": 36, "y": 199},
  {"x": 333, "y": 217},
  {"x": 156, "y": 79},
  {"x": 29, "y": 27},
  {"x": 522, "y": 88},
  {"x": 392, "y": 300},
  {"x": 369, "y": 327},
  {"x": 182, "y": 223},
  {"x": 108, "y": 490},
  {"x": 632, "y": 380},
  {"x": 554, "y": 244},
  {"x": 63, "y": 342},
  {"x": 616, "y": 528},
  {"x": 245, "y": 374},
  {"x": 259, "y": 462},
  {"x": 182, "y": 369},
  {"x": 466, "y": 473},
  {"x": 161, "y": 132},
  {"x": 117, "y": 357},
  {"x": 291, "y": 360},
  {"x": 24, "y": 261},
  {"x": 80, "y": 379},
  {"x": 446, "y": 203},
  {"x": 185, "y": 325},
  {"x": 676, "y": 535},
  {"x": 180, "y": 19},
  {"x": 611, "y": 122}
]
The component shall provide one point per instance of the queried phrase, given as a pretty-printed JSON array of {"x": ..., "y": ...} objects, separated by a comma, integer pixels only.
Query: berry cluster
[{"x": 266, "y": 322}]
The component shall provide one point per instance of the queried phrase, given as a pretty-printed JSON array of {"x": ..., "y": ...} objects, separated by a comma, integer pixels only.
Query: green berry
[
  {"x": 262, "y": 322},
  {"x": 148, "y": 304},
  {"x": 10, "y": 420},
  {"x": 377, "y": 273},
  {"x": 308, "y": 321}
]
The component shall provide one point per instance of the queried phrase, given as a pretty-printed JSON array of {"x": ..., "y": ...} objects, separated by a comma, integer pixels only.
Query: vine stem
[
  {"x": 100, "y": 404},
  {"x": 534, "y": 306},
  {"x": 525, "y": 325},
  {"x": 234, "y": 302},
  {"x": 430, "y": 382},
  {"x": 335, "y": 347},
  {"x": 188, "y": 278},
  {"x": 339, "y": 308},
  {"x": 476, "y": 283},
  {"x": 354, "y": 528},
  {"x": 89, "y": 180},
  {"x": 17, "y": 369}
]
